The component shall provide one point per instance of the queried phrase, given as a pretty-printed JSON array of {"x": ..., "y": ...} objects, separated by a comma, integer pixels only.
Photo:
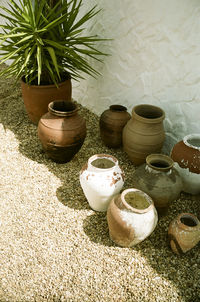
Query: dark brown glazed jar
[
  {"x": 111, "y": 123},
  {"x": 184, "y": 233},
  {"x": 62, "y": 131}
]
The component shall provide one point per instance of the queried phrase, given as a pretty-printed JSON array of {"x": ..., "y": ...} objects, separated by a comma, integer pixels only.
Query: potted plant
[{"x": 45, "y": 41}]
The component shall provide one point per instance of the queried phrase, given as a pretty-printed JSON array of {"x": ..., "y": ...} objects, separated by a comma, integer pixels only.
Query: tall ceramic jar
[
  {"x": 101, "y": 178},
  {"x": 186, "y": 154},
  {"x": 184, "y": 233},
  {"x": 131, "y": 217},
  {"x": 144, "y": 133},
  {"x": 62, "y": 131},
  {"x": 159, "y": 179},
  {"x": 111, "y": 124}
]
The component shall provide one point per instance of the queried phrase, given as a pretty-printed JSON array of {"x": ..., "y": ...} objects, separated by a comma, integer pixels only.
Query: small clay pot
[
  {"x": 62, "y": 131},
  {"x": 184, "y": 233},
  {"x": 144, "y": 133},
  {"x": 186, "y": 154},
  {"x": 111, "y": 123},
  {"x": 131, "y": 217}
]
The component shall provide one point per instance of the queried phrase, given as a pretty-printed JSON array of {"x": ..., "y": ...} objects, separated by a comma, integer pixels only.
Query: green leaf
[{"x": 54, "y": 60}]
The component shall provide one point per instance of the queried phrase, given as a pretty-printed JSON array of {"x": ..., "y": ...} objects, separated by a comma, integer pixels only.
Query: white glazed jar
[{"x": 101, "y": 178}]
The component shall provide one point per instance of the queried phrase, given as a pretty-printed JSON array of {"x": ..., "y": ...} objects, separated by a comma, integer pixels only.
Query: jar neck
[
  {"x": 159, "y": 162},
  {"x": 118, "y": 108},
  {"x": 148, "y": 114},
  {"x": 192, "y": 141},
  {"x": 188, "y": 222},
  {"x": 102, "y": 163},
  {"x": 62, "y": 108}
]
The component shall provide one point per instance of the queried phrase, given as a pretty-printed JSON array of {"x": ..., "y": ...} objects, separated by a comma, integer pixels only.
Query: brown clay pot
[
  {"x": 111, "y": 123},
  {"x": 144, "y": 133},
  {"x": 36, "y": 98},
  {"x": 186, "y": 154},
  {"x": 62, "y": 131},
  {"x": 184, "y": 233},
  {"x": 159, "y": 179}
]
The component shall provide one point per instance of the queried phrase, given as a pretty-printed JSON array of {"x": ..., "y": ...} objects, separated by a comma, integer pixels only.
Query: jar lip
[
  {"x": 101, "y": 156},
  {"x": 194, "y": 136},
  {"x": 129, "y": 207},
  {"x": 190, "y": 216},
  {"x": 160, "y": 162},
  {"x": 62, "y": 107},
  {"x": 157, "y": 113},
  {"x": 118, "y": 108}
]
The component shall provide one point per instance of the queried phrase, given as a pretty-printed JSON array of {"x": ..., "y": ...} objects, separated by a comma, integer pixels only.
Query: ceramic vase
[
  {"x": 184, "y": 233},
  {"x": 131, "y": 217},
  {"x": 101, "y": 178},
  {"x": 62, "y": 131},
  {"x": 144, "y": 133},
  {"x": 111, "y": 124},
  {"x": 159, "y": 179},
  {"x": 186, "y": 154}
]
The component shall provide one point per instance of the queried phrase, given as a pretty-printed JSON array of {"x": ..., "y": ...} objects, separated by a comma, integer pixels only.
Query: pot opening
[
  {"x": 194, "y": 142},
  {"x": 118, "y": 108},
  {"x": 148, "y": 111},
  {"x": 188, "y": 221},
  {"x": 136, "y": 200},
  {"x": 160, "y": 164},
  {"x": 103, "y": 163},
  {"x": 63, "y": 106}
]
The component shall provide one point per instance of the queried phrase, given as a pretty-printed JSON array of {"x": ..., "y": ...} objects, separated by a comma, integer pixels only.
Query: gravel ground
[{"x": 53, "y": 247}]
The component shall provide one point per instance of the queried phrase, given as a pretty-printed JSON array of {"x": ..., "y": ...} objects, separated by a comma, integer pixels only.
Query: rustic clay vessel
[
  {"x": 101, "y": 178},
  {"x": 159, "y": 179},
  {"x": 184, "y": 233},
  {"x": 186, "y": 154},
  {"x": 36, "y": 98},
  {"x": 144, "y": 133},
  {"x": 111, "y": 123},
  {"x": 131, "y": 217},
  {"x": 62, "y": 131}
]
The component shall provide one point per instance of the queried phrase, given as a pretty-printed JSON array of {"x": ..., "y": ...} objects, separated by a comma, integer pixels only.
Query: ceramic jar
[
  {"x": 62, "y": 131},
  {"x": 186, "y": 154},
  {"x": 101, "y": 178},
  {"x": 144, "y": 133},
  {"x": 131, "y": 217},
  {"x": 111, "y": 124},
  {"x": 184, "y": 233},
  {"x": 159, "y": 179}
]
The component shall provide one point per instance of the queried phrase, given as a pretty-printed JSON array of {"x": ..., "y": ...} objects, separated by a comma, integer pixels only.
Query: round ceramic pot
[
  {"x": 186, "y": 154},
  {"x": 101, "y": 178},
  {"x": 184, "y": 233},
  {"x": 111, "y": 123},
  {"x": 159, "y": 179},
  {"x": 144, "y": 133},
  {"x": 131, "y": 217},
  {"x": 62, "y": 131}
]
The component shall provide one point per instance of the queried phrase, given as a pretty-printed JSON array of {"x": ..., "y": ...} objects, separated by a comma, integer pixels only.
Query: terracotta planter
[
  {"x": 36, "y": 98},
  {"x": 159, "y": 179},
  {"x": 186, "y": 154},
  {"x": 131, "y": 217},
  {"x": 111, "y": 123},
  {"x": 101, "y": 178},
  {"x": 144, "y": 133},
  {"x": 184, "y": 233},
  {"x": 62, "y": 131}
]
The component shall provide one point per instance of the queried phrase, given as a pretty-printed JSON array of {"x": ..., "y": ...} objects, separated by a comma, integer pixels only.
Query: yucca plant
[{"x": 44, "y": 39}]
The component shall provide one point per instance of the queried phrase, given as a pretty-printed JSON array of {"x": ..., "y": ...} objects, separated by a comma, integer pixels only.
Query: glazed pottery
[
  {"x": 62, "y": 131},
  {"x": 36, "y": 98},
  {"x": 101, "y": 178},
  {"x": 186, "y": 154},
  {"x": 144, "y": 133},
  {"x": 111, "y": 124},
  {"x": 159, "y": 179},
  {"x": 131, "y": 217},
  {"x": 184, "y": 233}
]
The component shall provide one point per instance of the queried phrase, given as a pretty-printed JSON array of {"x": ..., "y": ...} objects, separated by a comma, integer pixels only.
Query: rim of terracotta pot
[
  {"x": 102, "y": 156},
  {"x": 190, "y": 218},
  {"x": 68, "y": 78},
  {"x": 159, "y": 162},
  {"x": 62, "y": 108},
  {"x": 192, "y": 141},
  {"x": 118, "y": 108},
  {"x": 141, "y": 193},
  {"x": 148, "y": 113}
]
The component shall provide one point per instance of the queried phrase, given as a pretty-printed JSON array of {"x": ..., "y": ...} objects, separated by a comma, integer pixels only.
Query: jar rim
[
  {"x": 118, "y": 108},
  {"x": 190, "y": 216},
  {"x": 131, "y": 208},
  {"x": 153, "y": 114},
  {"x": 190, "y": 137},
  {"x": 101, "y": 156},
  {"x": 160, "y": 162},
  {"x": 62, "y": 107}
]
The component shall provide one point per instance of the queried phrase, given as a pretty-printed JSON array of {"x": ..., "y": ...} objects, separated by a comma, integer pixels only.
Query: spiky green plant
[{"x": 45, "y": 39}]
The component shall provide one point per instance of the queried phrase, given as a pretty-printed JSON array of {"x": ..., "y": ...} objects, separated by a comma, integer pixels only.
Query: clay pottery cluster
[
  {"x": 101, "y": 178},
  {"x": 184, "y": 233},
  {"x": 62, "y": 131},
  {"x": 186, "y": 154},
  {"x": 144, "y": 133},
  {"x": 131, "y": 217},
  {"x": 159, "y": 179},
  {"x": 36, "y": 98},
  {"x": 111, "y": 124}
]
